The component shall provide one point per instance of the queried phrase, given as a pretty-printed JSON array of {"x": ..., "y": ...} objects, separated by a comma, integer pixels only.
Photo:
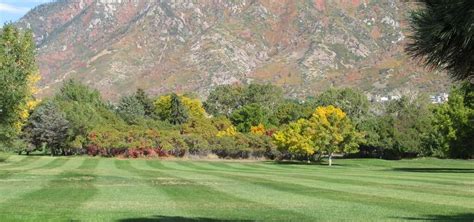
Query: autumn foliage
[{"x": 329, "y": 130}]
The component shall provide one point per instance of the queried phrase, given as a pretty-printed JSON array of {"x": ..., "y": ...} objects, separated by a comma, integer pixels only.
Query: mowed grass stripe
[
  {"x": 459, "y": 191},
  {"x": 318, "y": 208},
  {"x": 223, "y": 202},
  {"x": 11, "y": 179},
  {"x": 179, "y": 190},
  {"x": 122, "y": 194},
  {"x": 376, "y": 176},
  {"x": 440, "y": 175},
  {"x": 405, "y": 192},
  {"x": 42, "y": 163},
  {"x": 22, "y": 162},
  {"x": 419, "y": 185},
  {"x": 6, "y": 158},
  {"x": 379, "y": 173},
  {"x": 56, "y": 200},
  {"x": 348, "y": 189},
  {"x": 31, "y": 178},
  {"x": 209, "y": 202}
]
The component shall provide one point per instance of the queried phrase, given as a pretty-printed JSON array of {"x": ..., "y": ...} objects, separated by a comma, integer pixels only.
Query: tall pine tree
[
  {"x": 146, "y": 102},
  {"x": 178, "y": 112}
]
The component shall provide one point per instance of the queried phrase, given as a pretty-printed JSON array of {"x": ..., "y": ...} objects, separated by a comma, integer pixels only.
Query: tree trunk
[{"x": 330, "y": 159}]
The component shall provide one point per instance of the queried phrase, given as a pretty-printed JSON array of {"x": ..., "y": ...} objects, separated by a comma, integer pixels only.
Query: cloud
[{"x": 13, "y": 9}]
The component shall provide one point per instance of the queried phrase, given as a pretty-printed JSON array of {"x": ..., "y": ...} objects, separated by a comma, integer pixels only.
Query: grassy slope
[{"x": 93, "y": 189}]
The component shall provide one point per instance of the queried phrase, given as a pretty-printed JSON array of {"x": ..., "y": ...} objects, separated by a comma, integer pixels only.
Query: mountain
[{"x": 306, "y": 46}]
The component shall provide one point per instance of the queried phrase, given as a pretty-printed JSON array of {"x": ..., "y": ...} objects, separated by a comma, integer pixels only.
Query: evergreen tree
[
  {"x": 48, "y": 126},
  {"x": 178, "y": 112},
  {"x": 131, "y": 109},
  {"x": 146, "y": 102},
  {"x": 442, "y": 35}
]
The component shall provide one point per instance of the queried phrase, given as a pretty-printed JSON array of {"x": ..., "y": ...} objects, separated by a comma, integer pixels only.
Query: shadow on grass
[
  {"x": 435, "y": 170},
  {"x": 295, "y": 162},
  {"x": 176, "y": 218},
  {"x": 34, "y": 154},
  {"x": 458, "y": 217},
  {"x": 318, "y": 163}
]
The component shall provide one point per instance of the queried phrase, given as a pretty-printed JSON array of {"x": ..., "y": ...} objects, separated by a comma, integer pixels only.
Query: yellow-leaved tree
[
  {"x": 332, "y": 131},
  {"x": 24, "y": 109},
  {"x": 296, "y": 138},
  {"x": 194, "y": 107},
  {"x": 329, "y": 130}
]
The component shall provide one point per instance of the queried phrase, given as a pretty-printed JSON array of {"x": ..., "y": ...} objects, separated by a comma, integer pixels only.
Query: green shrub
[
  {"x": 173, "y": 143},
  {"x": 244, "y": 146},
  {"x": 109, "y": 141},
  {"x": 197, "y": 145}
]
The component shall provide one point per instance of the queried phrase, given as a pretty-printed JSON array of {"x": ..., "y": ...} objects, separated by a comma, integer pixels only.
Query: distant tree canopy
[
  {"x": 291, "y": 110},
  {"x": 452, "y": 130},
  {"x": 249, "y": 115},
  {"x": 74, "y": 91},
  {"x": 353, "y": 102},
  {"x": 18, "y": 75},
  {"x": 225, "y": 99},
  {"x": 443, "y": 36},
  {"x": 411, "y": 121},
  {"x": 84, "y": 108}
]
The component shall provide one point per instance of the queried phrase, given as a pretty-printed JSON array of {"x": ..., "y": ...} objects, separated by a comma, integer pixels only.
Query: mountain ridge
[{"x": 162, "y": 46}]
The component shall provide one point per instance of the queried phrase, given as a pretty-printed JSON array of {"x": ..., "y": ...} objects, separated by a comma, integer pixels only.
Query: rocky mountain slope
[{"x": 305, "y": 46}]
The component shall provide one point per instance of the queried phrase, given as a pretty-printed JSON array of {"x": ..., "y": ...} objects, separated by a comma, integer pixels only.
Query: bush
[
  {"x": 173, "y": 143},
  {"x": 197, "y": 145},
  {"x": 21, "y": 146},
  {"x": 108, "y": 141},
  {"x": 244, "y": 146},
  {"x": 200, "y": 126}
]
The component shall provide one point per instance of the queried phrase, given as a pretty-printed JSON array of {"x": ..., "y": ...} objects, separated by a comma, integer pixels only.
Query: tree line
[{"x": 248, "y": 121}]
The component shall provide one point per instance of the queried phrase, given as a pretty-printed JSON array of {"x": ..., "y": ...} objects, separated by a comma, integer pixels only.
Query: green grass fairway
[{"x": 97, "y": 189}]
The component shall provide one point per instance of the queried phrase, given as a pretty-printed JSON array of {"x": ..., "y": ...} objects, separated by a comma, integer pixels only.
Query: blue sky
[{"x": 12, "y": 10}]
